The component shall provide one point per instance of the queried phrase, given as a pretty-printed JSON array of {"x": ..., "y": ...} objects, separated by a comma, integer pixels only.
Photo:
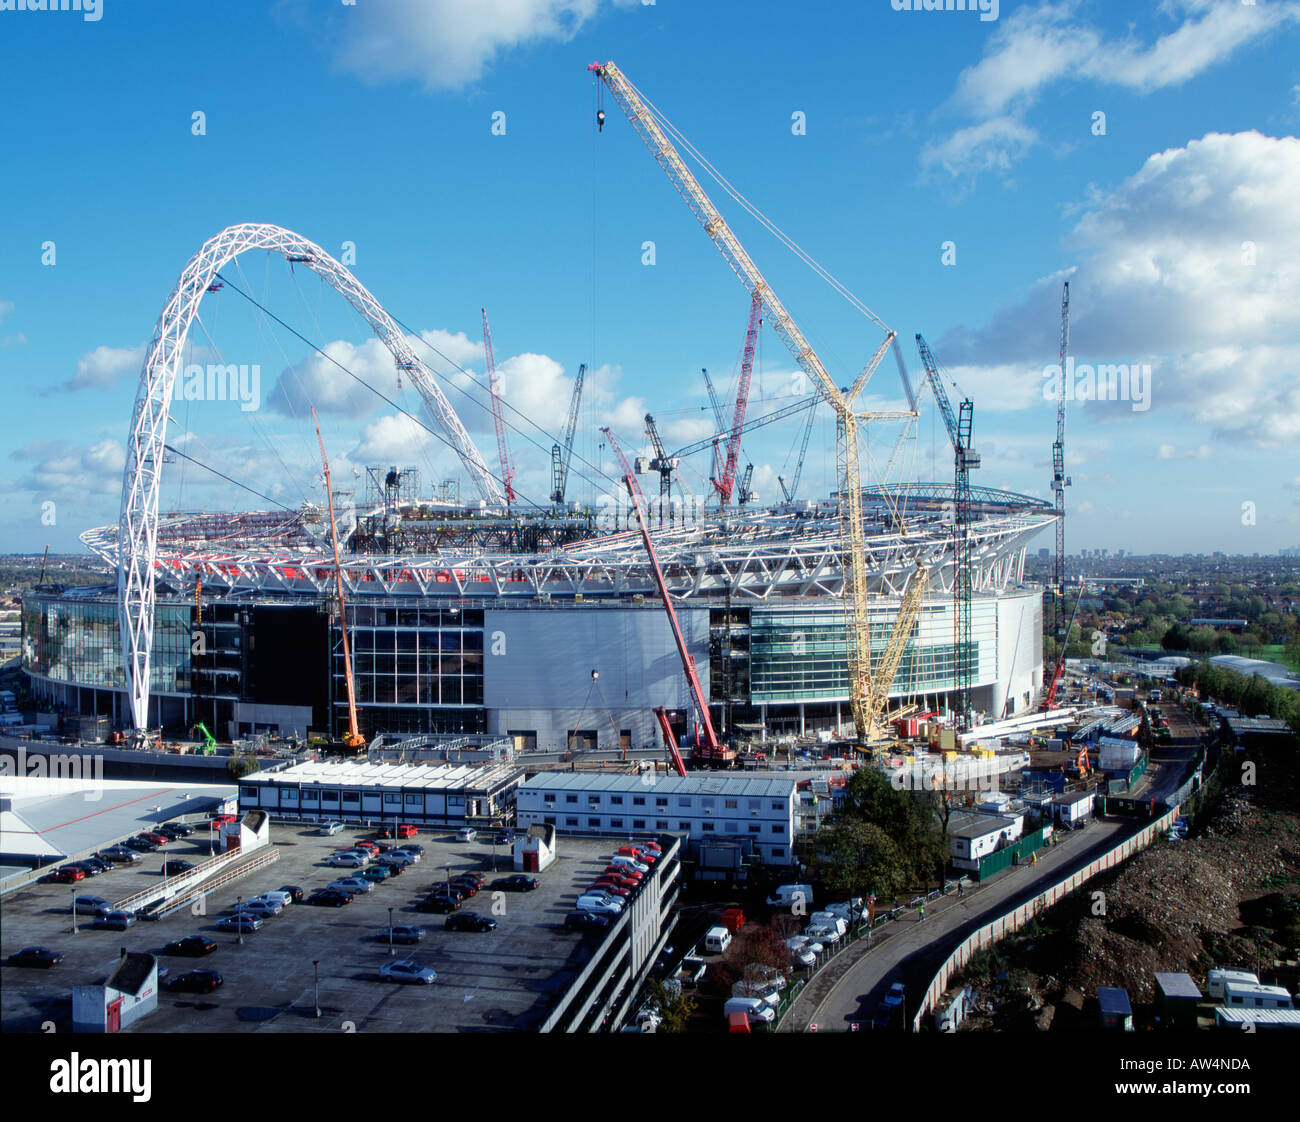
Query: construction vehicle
[
  {"x": 1059, "y": 672},
  {"x": 353, "y": 742},
  {"x": 711, "y": 752},
  {"x": 868, "y": 689},
  {"x": 209, "y": 741}
]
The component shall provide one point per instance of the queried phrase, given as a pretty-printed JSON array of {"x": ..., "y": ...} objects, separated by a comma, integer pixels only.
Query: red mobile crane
[
  {"x": 713, "y": 752},
  {"x": 724, "y": 486}
]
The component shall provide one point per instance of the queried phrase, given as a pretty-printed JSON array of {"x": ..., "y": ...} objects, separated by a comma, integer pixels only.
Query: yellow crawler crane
[{"x": 867, "y": 690}]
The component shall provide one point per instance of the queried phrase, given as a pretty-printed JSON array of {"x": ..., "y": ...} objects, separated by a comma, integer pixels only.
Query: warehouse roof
[
  {"x": 363, "y": 773},
  {"x": 741, "y": 785}
]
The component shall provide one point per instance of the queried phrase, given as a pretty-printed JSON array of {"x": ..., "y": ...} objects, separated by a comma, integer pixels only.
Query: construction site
[{"x": 705, "y": 627}]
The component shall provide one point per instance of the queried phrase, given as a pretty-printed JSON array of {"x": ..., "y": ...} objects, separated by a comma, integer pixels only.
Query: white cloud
[
  {"x": 444, "y": 44},
  {"x": 1191, "y": 265},
  {"x": 6, "y": 306},
  {"x": 1042, "y": 46},
  {"x": 100, "y": 368},
  {"x": 65, "y": 474}
]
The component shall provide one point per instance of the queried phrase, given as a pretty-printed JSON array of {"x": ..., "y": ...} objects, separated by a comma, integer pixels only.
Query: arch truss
[{"x": 138, "y": 526}]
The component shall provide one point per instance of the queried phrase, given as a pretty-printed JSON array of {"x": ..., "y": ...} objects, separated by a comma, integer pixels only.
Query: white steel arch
[{"x": 138, "y": 525}]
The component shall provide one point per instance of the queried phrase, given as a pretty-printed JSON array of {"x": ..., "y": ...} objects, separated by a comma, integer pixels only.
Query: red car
[
  {"x": 158, "y": 839},
  {"x": 625, "y": 882},
  {"x": 638, "y": 854},
  {"x": 633, "y": 875},
  {"x": 65, "y": 875},
  {"x": 610, "y": 887}
]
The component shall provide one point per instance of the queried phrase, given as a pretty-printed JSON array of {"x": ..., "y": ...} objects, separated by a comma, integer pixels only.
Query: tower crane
[
  {"x": 964, "y": 459},
  {"x": 864, "y": 686},
  {"x": 724, "y": 486},
  {"x": 660, "y": 462},
  {"x": 1060, "y": 481},
  {"x": 718, "y": 420},
  {"x": 713, "y": 752},
  {"x": 562, "y": 458},
  {"x": 793, "y": 489},
  {"x": 494, "y": 389}
]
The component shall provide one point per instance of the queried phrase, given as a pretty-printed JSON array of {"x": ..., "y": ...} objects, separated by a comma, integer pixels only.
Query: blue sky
[{"x": 373, "y": 124}]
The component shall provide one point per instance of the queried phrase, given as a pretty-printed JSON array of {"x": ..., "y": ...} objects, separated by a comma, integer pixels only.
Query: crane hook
[{"x": 600, "y": 120}]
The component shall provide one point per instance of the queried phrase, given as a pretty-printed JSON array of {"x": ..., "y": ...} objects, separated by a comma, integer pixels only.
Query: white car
[
  {"x": 600, "y": 905},
  {"x": 823, "y": 933},
  {"x": 411, "y": 856},
  {"x": 347, "y": 860},
  {"x": 397, "y": 860},
  {"x": 284, "y": 899},
  {"x": 352, "y": 884},
  {"x": 466, "y": 834}
]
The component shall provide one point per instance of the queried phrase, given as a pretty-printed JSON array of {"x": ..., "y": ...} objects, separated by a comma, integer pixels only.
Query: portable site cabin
[
  {"x": 1116, "y": 1011},
  {"x": 1248, "y": 995},
  {"x": 1259, "y": 1020},
  {"x": 1177, "y": 998},
  {"x": 536, "y": 849},
  {"x": 131, "y": 993},
  {"x": 1216, "y": 979}
]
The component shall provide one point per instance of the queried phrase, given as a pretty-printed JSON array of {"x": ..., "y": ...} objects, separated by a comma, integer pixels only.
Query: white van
[
  {"x": 756, "y": 1010},
  {"x": 788, "y": 895},
  {"x": 1215, "y": 980},
  {"x": 1247, "y": 996},
  {"x": 717, "y": 940},
  {"x": 329, "y": 829}
]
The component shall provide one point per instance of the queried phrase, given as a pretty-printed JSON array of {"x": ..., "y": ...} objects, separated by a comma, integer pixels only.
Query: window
[
  {"x": 310, "y": 796},
  {"x": 549, "y": 820},
  {"x": 639, "y": 800},
  {"x": 733, "y": 827},
  {"x": 248, "y": 793},
  {"x": 594, "y": 823},
  {"x": 661, "y": 824},
  {"x": 755, "y": 827},
  {"x": 351, "y": 798},
  {"x": 777, "y": 804},
  {"x": 707, "y": 827},
  {"x": 684, "y": 826},
  {"x": 778, "y": 853},
  {"x": 755, "y": 804},
  {"x": 638, "y": 823},
  {"x": 593, "y": 800},
  {"x": 616, "y": 823},
  {"x": 661, "y": 801},
  {"x": 778, "y": 828},
  {"x": 731, "y": 804},
  {"x": 570, "y": 798},
  {"x": 392, "y": 798},
  {"x": 569, "y": 821},
  {"x": 684, "y": 803},
  {"x": 617, "y": 800}
]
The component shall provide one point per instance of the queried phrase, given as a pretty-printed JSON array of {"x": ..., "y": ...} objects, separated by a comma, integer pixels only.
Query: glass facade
[
  {"x": 800, "y": 656},
  {"x": 412, "y": 657},
  {"x": 78, "y": 642}
]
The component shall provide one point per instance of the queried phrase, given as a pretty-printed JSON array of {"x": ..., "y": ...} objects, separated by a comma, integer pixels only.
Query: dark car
[
  {"x": 86, "y": 869},
  {"x": 143, "y": 844},
  {"x": 180, "y": 829},
  {"x": 468, "y": 887},
  {"x": 586, "y": 921},
  {"x": 173, "y": 865},
  {"x": 453, "y": 890},
  {"x": 517, "y": 883},
  {"x": 192, "y": 946},
  {"x": 328, "y": 899},
  {"x": 97, "y": 863},
  {"x": 503, "y": 837},
  {"x": 195, "y": 981},
  {"x": 35, "y": 956},
  {"x": 293, "y": 890},
  {"x": 438, "y": 904},
  {"x": 469, "y": 921},
  {"x": 114, "y": 921},
  {"x": 119, "y": 855},
  {"x": 401, "y": 934}
]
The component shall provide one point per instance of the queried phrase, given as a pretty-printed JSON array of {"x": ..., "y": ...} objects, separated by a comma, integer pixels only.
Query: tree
[
  {"x": 241, "y": 764},
  {"x": 675, "y": 1005}
]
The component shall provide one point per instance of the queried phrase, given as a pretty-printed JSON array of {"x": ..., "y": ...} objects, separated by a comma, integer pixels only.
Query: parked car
[
  {"x": 328, "y": 899},
  {"x": 470, "y": 874},
  {"x": 184, "y": 829},
  {"x": 143, "y": 844},
  {"x": 352, "y": 885},
  {"x": 192, "y": 946},
  {"x": 174, "y": 866},
  {"x": 407, "y": 972},
  {"x": 376, "y": 874},
  {"x": 158, "y": 839},
  {"x": 440, "y": 905},
  {"x": 195, "y": 981},
  {"x": 409, "y": 854},
  {"x": 259, "y": 907},
  {"x": 411, "y": 847},
  {"x": 401, "y": 830},
  {"x": 347, "y": 860},
  {"x": 244, "y": 923},
  {"x": 36, "y": 956},
  {"x": 292, "y": 891},
  {"x": 329, "y": 829},
  {"x": 401, "y": 934},
  {"x": 170, "y": 830},
  {"x": 587, "y": 921},
  {"x": 114, "y": 921},
  {"x": 64, "y": 875},
  {"x": 396, "y": 860},
  {"x": 466, "y": 834},
  {"x": 455, "y": 891},
  {"x": 469, "y": 921},
  {"x": 91, "y": 906},
  {"x": 602, "y": 905},
  {"x": 468, "y": 887},
  {"x": 279, "y": 895},
  {"x": 369, "y": 847},
  {"x": 119, "y": 855},
  {"x": 519, "y": 882},
  {"x": 98, "y": 864}
]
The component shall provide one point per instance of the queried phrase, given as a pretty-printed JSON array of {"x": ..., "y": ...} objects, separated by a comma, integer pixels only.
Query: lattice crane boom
[
  {"x": 1060, "y": 481},
  {"x": 728, "y": 481},
  {"x": 561, "y": 458},
  {"x": 494, "y": 390}
]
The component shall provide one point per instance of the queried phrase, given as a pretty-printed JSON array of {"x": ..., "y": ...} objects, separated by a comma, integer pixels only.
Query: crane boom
[
  {"x": 1059, "y": 479},
  {"x": 562, "y": 458},
  {"x": 712, "y": 749},
  {"x": 853, "y": 538},
  {"x": 494, "y": 390},
  {"x": 354, "y": 738},
  {"x": 742, "y": 400}
]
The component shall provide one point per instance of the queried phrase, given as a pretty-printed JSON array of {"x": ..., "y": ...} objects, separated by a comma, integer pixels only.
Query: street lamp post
[
  {"x": 390, "y": 932},
  {"x": 239, "y": 919},
  {"x": 316, "y": 986},
  {"x": 74, "y": 908}
]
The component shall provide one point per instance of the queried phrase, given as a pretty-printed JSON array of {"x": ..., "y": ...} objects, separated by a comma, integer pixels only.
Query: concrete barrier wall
[{"x": 1012, "y": 921}]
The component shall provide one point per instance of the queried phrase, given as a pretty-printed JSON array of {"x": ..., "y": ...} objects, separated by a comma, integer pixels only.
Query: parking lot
[{"x": 501, "y": 980}]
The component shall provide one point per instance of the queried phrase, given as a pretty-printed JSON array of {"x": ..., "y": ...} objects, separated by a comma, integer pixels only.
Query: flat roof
[
  {"x": 977, "y": 825},
  {"x": 1113, "y": 999},
  {"x": 1287, "y": 1017},
  {"x": 1070, "y": 798},
  {"x": 363, "y": 773},
  {"x": 1178, "y": 985},
  {"x": 740, "y": 785}
]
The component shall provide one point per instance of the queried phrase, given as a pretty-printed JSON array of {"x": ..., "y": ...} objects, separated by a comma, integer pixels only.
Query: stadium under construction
[{"x": 546, "y": 628}]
